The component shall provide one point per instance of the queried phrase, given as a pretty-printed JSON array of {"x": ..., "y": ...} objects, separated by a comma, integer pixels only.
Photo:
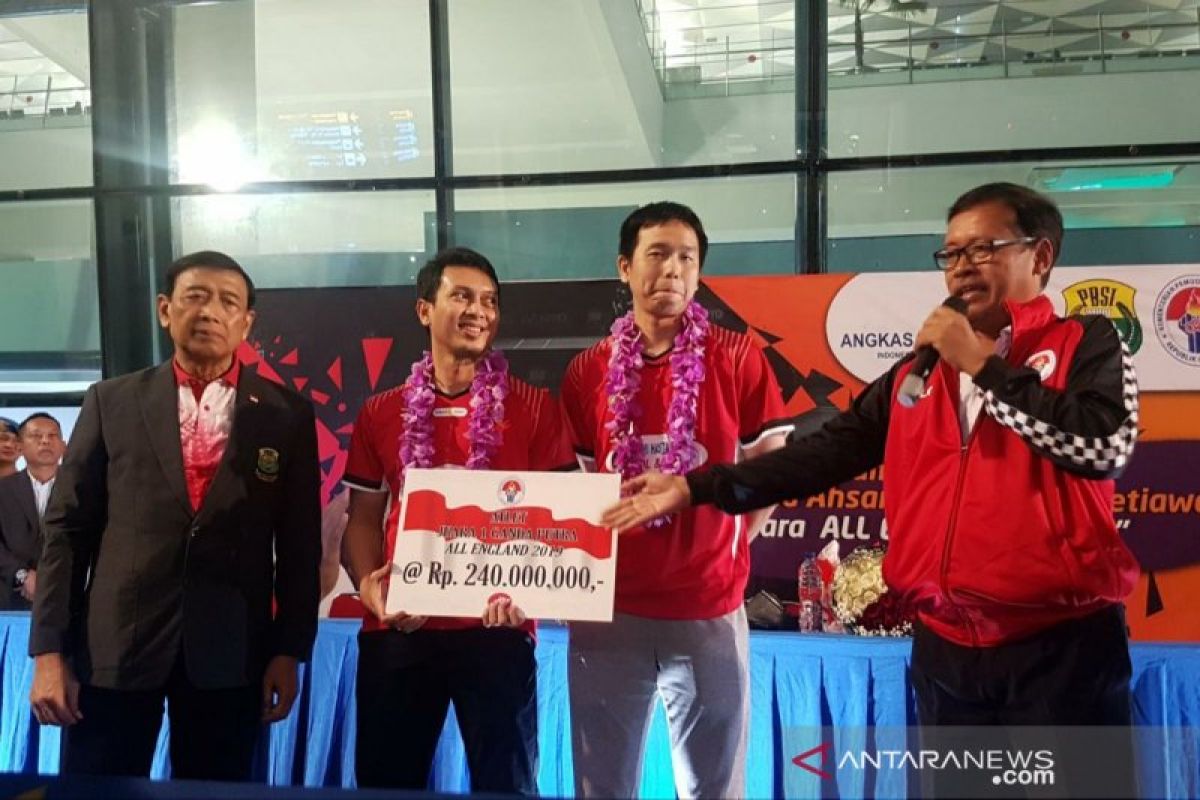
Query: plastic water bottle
[{"x": 808, "y": 585}]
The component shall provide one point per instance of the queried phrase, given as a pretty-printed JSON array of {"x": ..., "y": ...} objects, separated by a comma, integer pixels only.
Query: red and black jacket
[{"x": 1009, "y": 532}]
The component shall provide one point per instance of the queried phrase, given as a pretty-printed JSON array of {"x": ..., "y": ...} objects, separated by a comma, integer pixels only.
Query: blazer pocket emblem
[{"x": 267, "y": 469}]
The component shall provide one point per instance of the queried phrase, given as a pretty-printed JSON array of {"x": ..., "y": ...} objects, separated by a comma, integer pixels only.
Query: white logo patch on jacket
[{"x": 1044, "y": 361}]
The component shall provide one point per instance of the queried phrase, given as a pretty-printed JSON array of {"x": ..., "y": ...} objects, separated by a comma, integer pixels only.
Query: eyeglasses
[{"x": 976, "y": 252}]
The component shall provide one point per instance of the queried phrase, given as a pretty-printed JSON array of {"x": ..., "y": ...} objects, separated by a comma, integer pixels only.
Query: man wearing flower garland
[
  {"x": 998, "y": 487},
  {"x": 668, "y": 390},
  {"x": 459, "y": 409}
]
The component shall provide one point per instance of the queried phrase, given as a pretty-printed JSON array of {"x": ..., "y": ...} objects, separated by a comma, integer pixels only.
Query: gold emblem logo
[
  {"x": 267, "y": 468},
  {"x": 1112, "y": 299}
]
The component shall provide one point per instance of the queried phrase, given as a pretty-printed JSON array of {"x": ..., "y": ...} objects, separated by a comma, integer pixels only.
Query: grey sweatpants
[{"x": 699, "y": 667}]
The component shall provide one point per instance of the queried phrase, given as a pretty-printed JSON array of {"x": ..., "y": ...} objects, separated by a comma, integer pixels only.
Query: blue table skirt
[{"x": 799, "y": 682}]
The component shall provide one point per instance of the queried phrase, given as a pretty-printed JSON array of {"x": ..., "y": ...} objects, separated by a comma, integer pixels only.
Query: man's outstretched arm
[{"x": 846, "y": 446}]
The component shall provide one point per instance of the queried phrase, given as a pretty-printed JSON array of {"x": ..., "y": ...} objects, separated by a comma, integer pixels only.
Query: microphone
[{"x": 913, "y": 385}]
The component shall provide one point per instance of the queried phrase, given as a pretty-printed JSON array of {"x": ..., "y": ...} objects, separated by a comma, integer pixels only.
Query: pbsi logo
[
  {"x": 512, "y": 491},
  {"x": 1112, "y": 299}
]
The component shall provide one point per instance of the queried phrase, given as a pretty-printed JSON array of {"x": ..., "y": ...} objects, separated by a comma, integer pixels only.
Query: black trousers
[
  {"x": 1065, "y": 690},
  {"x": 406, "y": 681},
  {"x": 213, "y": 731}
]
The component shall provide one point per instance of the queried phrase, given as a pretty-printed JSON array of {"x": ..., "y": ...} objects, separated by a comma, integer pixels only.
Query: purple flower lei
[
  {"x": 625, "y": 378},
  {"x": 488, "y": 390}
]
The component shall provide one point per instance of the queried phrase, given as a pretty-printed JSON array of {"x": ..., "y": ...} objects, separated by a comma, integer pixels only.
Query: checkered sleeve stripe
[{"x": 1102, "y": 454}]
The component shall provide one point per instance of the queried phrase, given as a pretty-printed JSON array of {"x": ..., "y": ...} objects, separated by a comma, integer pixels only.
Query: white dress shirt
[
  {"x": 41, "y": 493},
  {"x": 970, "y": 396}
]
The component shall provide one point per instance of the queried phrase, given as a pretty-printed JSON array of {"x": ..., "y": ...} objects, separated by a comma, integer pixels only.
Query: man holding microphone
[{"x": 998, "y": 483}]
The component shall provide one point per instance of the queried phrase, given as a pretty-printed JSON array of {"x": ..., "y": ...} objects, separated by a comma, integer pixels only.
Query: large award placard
[{"x": 468, "y": 536}]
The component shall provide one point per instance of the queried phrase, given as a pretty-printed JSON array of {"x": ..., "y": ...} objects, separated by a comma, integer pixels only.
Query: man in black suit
[
  {"x": 186, "y": 507},
  {"x": 22, "y": 504}
]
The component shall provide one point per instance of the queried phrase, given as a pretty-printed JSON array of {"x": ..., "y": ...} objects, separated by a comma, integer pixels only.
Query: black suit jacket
[
  {"x": 129, "y": 574},
  {"x": 20, "y": 536}
]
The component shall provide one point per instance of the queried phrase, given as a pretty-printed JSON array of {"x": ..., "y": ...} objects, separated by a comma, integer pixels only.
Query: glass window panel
[
  {"x": 49, "y": 312},
  {"x": 594, "y": 84},
  {"x": 1117, "y": 212},
  {"x": 571, "y": 232},
  {"x": 301, "y": 89},
  {"x": 45, "y": 102},
  {"x": 917, "y": 77},
  {"x": 317, "y": 239}
]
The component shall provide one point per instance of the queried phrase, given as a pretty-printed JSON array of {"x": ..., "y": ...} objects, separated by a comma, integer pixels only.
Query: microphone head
[
  {"x": 910, "y": 391},
  {"x": 955, "y": 302},
  {"x": 912, "y": 388}
]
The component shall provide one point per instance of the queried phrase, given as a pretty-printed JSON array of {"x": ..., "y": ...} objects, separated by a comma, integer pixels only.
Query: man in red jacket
[{"x": 998, "y": 484}]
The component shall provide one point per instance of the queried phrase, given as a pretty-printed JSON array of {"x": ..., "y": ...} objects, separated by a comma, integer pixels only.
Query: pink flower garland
[
  {"x": 488, "y": 390},
  {"x": 625, "y": 378}
]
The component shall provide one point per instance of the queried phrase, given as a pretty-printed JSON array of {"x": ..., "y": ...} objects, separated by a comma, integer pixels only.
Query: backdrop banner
[{"x": 825, "y": 336}]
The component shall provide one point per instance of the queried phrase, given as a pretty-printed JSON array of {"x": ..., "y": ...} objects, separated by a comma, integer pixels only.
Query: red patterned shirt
[
  {"x": 534, "y": 439},
  {"x": 697, "y": 566},
  {"x": 205, "y": 421}
]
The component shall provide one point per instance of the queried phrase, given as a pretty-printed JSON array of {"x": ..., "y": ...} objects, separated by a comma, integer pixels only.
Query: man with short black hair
[
  {"x": 460, "y": 408},
  {"x": 182, "y": 547},
  {"x": 1033, "y": 216},
  {"x": 671, "y": 391},
  {"x": 23, "y": 500}
]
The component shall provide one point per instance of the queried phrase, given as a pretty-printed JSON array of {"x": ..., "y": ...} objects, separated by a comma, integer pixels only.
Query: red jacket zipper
[{"x": 964, "y": 452}]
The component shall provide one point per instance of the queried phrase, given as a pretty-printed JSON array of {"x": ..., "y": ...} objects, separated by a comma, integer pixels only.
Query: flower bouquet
[{"x": 861, "y": 599}]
